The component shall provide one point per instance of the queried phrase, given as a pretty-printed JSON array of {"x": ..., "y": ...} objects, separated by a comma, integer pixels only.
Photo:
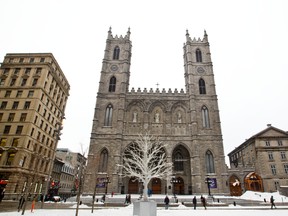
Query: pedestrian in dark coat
[
  {"x": 203, "y": 200},
  {"x": 272, "y": 202},
  {"x": 166, "y": 201},
  {"x": 194, "y": 202}
]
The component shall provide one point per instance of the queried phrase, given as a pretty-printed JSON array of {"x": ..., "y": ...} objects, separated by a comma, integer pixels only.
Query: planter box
[{"x": 142, "y": 208}]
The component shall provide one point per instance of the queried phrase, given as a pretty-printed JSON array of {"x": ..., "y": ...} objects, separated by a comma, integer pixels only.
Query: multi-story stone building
[
  {"x": 33, "y": 96},
  {"x": 187, "y": 120},
  {"x": 74, "y": 163},
  {"x": 260, "y": 163}
]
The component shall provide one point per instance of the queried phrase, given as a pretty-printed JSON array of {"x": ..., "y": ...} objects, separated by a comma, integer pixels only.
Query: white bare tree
[{"x": 146, "y": 159}]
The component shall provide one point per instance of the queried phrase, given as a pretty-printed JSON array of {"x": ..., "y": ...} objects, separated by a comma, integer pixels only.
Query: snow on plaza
[{"x": 261, "y": 208}]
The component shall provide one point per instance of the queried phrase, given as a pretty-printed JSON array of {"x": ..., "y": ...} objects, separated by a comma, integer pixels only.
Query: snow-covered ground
[{"x": 263, "y": 210}]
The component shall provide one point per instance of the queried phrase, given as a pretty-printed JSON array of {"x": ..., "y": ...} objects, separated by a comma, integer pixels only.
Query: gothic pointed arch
[
  {"x": 116, "y": 53},
  {"x": 202, "y": 87},
  {"x": 198, "y": 55},
  {"x": 112, "y": 84},
  {"x": 108, "y": 115},
  {"x": 209, "y": 162},
  {"x": 180, "y": 158},
  {"x": 103, "y": 164},
  {"x": 205, "y": 117}
]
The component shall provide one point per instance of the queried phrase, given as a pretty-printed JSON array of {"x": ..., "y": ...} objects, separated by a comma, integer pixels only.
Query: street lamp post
[
  {"x": 208, "y": 182},
  {"x": 174, "y": 181},
  {"x": 106, "y": 182}
]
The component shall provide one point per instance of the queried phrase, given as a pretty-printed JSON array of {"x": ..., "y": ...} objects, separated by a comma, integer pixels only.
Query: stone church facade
[{"x": 187, "y": 120}]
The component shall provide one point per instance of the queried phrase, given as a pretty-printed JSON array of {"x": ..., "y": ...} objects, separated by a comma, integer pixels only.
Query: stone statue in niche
[
  {"x": 157, "y": 117},
  {"x": 179, "y": 117},
  {"x": 135, "y": 115}
]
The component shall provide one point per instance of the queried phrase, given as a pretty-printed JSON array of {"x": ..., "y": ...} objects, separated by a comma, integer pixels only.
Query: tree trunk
[{"x": 145, "y": 191}]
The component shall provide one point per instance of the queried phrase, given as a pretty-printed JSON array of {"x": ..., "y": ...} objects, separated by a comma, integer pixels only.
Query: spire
[
  {"x": 205, "y": 35},
  {"x": 128, "y": 33},
  {"x": 187, "y": 35},
  {"x": 109, "y": 32}
]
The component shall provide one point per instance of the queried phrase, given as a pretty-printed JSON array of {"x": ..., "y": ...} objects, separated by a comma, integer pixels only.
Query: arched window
[
  {"x": 116, "y": 53},
  {"x": 103, "y": 161},
  {"x": 112, "y": 84},
  {"x": 178, "y": 162},
  {"x": 198, "y": 55},
  {"x": 108, "y": 116},
  {"x": 209, "y": 159},
  {"x": 205, "y": 117},
  {"x": 202, "y": 88}
]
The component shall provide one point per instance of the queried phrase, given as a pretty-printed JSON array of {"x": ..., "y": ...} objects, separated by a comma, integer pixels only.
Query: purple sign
[{"x": 212, "y": 183}]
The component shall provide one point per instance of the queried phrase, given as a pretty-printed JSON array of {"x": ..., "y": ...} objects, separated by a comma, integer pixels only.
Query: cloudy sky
[{"x": 248, "y": 42}]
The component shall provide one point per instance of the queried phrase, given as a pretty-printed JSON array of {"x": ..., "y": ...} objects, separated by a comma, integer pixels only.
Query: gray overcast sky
[{"x": 248, "y": 41}]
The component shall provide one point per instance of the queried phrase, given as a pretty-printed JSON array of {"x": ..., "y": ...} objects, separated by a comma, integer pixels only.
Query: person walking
[
  {"x": 166, "y": 201},
  {"x": 272, "y": 202},
  {"x": 203, "y": 200},
  {"x": 194, "y": 202}
]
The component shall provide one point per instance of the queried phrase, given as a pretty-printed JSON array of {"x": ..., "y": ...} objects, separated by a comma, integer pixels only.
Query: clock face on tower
[{"x": 114, "y": 67}]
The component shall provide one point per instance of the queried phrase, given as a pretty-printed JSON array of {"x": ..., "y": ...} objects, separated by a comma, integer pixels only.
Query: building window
[
  {"x": 15, "y": 142},
  {"x": 27, "y": 105},
  {"x": 270, "y": 156},
  {"x": 11, "y": 117},
  {"x": 116, "y": 53},
  {"x": 202, "y": 88},
  {"x": 112, "y": 84},
  {"x": 31, "y": 60},
  {"x": 24, "y": 81},
  {"x": 198, "y": 55},
  {"x": 283, "y": 155},
  {"x": 6, "y": 71},
  {"x": 34, "y": 82},
  {"x": 15, "y": 105},
  {"x": 10, "y": 158},
  {"x": 277, "y": 185},
  {"x": 30, "y": 94},
  {"x": 27, "y": 71},
  {"x": 21, "y": 60},
  {"x": 178, "y": 162},
  {"x": 23, "y": 117},
  {"x": 17, "y": 70},
  {"x": 108, "y": 116},
  {"x": 1, "y": 116},
  {"x": 209, "y": 159},
  {"x": 2, "y": 82},
  {"x": 267, "y": 143},
  {"x": 19, "y": 93},
  {"x": 8, "y": 93},
  {"x": 38, "y": 71},
  {"x": 4, "y": 105},
  {"x": 42, "y": 60},
  {"x": 280, "y": 143},
  {"x": 32, "y": 132},
  {"x": 7, "y": 129},
  {"x": 19, "y": 130},
  {"x": 13, "y": 81},
  {"x": 3, "y": 142},
  {"x": 205, "y": 117},
  {"x": 286, "y": 168},
  {"x": 273, "y": 169},
  {"x": 103, "y": 161}
]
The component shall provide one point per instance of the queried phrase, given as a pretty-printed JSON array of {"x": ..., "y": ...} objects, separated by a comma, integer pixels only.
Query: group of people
[
  {"x": 127, "y": 199},
  {"x": 194, "y": 201}
]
